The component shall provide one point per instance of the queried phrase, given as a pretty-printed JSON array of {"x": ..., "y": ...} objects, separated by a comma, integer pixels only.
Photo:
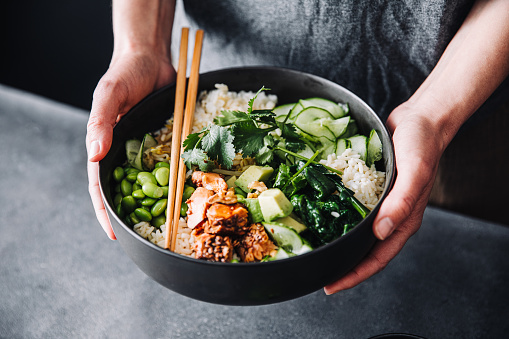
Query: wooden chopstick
[
  {"x": 192, "y": 92},
  {"x": 178, "y": 115}
]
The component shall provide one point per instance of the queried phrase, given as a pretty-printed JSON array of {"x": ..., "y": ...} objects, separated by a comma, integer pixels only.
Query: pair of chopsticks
[{"x": 182, "y": 124}]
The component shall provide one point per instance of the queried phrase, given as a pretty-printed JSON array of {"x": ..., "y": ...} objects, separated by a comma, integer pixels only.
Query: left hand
[{"x": 418, "y": 148}]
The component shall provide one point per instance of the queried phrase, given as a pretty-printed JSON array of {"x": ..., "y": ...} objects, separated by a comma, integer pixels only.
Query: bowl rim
[{"x": 388, "y": 183}]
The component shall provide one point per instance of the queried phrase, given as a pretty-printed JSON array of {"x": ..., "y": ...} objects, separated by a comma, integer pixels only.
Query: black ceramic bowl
[{"x": 245, "y": 283}]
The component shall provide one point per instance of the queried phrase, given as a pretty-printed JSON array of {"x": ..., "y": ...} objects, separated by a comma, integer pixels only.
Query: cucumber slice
[
  {"x": 132, "y": 148},
  {"x": 311, "y": 120},
  {"x": 306, "y": 152},
  {"x": 351, "y": 130},
  {"x": 328, "y": 147},
  {"x": 287, "y": 238},
  {"x": 283, "y": 109},
  {"x": 374, "y": 148},
  {"x": 333, "y": 108},
  {"x": 280, "y": 118},
  {"x": 338, "y": 127},
  {"x": 342, "y": 145},
  {"x": 148, "y": 142},
  {"x": 295, "y": 111},
  {"x": 359, "y": 144}
]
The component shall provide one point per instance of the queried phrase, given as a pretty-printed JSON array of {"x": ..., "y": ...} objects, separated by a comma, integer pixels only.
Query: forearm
[
  {"x": 471, "y": 68},
  {"x": 142, "y": 25}
]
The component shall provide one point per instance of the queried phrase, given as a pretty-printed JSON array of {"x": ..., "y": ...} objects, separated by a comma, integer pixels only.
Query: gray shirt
[{"x": 380, "y": 50}]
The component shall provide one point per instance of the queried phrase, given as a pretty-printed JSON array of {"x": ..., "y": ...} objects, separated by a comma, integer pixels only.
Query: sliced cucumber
[
  {"x": 287, "y": 238},
  {"x": 311, "y": 120},
  {"x": 132, "y": 148},
  {"x": 283, "y": 109},
  {"x": 295, "y": 111},
  {"x": 328, "y": 147},
  {"x": 342, "y": 145},
  {"x": 148, "y": 142},
  {"x": 374, "y": 148},
  {"x": 306, "y": 152},
  {"x": 338, "y": 127},
  {"x": 359, "y": 144},
  {"x": 333, "y": 108},
  {"x": 281, "y": 254},
  {"x": 351, "y": 130},
  {"x": 280, "y": 118}
]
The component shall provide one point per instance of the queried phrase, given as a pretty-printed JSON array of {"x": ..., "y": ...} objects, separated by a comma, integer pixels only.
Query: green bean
[
  {"x": 152, "y": 190},
  {"x": 144, "y": 177},
  {"x": 188, "y": 191},
  {"x": 158, "y": 221},
  {"x": 136, "y": 187},
  {"x": 117, "y": 199},
  {"x": 128, "y": 203},
  {"x": 148, "y": 201},
  {"x": 183, "y": 210},
  {"x": 143, "y": 214},
  {"x": 162, "y": 176},
  {"x": 134, "y": 218},
  {"x": 118, "y": 174},
  {"x": 126, "y": 188},
  {"x": 131, "y": 177},
  {"x": 162, "y": 164},
  {"x": 165, "y": 192},
  {"x": 138, "y": 194},
  {"x": 159, "y": 207}
]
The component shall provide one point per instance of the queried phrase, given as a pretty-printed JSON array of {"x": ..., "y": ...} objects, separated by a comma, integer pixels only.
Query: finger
[
  {"x": 109, "y": 99},
  {"x": 97, "y": 202}
]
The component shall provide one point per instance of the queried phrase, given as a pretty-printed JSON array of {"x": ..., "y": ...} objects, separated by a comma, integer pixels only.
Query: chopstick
[{"x": 176, "y": 190}]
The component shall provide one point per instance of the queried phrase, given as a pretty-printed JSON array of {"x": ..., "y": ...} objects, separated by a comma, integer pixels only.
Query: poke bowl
[{"x": 282, "y": 274}]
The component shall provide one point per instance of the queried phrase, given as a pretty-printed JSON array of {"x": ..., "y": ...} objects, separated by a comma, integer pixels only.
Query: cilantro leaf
[
  {"x": 197, "y": 157},
  {"x": 218, "y": 145},
  {"x": 251, "y": 102},
  {"x": 266, "y": 154},
  {"x": 288, "y": 131},
  {"x": 231, "y": 117},
  {"x": 191, "y": 141},
  {"x": 248, "y": 138}
]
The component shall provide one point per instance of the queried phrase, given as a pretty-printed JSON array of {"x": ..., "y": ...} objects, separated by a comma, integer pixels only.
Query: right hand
[{"x": 129, "y": 79}]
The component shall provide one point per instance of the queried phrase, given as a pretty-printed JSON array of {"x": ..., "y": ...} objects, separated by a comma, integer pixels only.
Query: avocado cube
[
  {"x": 253, "y": 173},
  {"x": 274, "y": 204}
]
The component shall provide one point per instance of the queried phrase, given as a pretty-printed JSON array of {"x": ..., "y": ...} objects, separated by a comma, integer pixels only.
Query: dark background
[{"x": 58, "y": 49}]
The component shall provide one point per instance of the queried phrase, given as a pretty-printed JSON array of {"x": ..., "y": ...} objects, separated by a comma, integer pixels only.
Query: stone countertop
[{"x": 61, "y": 277}]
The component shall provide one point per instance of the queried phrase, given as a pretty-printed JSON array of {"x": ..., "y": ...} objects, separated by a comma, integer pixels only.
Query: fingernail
[
  {"x": 95, "y": 147},
  {"x": 385, "y": 227}
]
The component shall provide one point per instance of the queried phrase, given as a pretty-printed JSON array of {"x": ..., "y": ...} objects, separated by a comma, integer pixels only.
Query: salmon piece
[
  {"x": 227, "y": 219},
  {"x": 198, "y": 205},
  {"x": 210, "y": 181}
]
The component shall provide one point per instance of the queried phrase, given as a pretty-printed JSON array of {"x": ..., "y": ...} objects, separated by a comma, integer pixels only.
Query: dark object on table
[{"x": 246, "y": 283}]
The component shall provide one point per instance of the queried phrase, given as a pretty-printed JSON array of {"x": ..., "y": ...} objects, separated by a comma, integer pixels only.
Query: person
[{"x": 425, "y": 68}]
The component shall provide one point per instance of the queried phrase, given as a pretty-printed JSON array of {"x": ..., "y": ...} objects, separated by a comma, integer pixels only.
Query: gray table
[{"x": 60, "y": 277}]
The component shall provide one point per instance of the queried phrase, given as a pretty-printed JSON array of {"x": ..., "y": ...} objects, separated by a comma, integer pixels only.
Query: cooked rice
[{"x": 367, "y": 183}]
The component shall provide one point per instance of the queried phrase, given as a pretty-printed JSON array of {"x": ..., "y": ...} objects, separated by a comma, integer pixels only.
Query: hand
[
  {"x": 418, "y": 148},
  {"x": 129, "y": 79}
]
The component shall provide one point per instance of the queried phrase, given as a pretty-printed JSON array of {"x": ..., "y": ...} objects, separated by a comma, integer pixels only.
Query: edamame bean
[
  {"x": 134, "y": 218},
  {"x": 151, "y": 190},
  {"x": 130, "y": 170},
  {"x": 120, "y": 211},
  {"x": 165, "y": 192},
  {"x": 183, "y": 210},
  {"x": 138, "y": 194},
  {"x": 117, "y": 188},
  {"x": 136, "y": 187},
  {"x": 118, "y": 174},
  {"x": 158, "y": 221},
  {"x": 117, "y": 199},
  {"x": 126, "y": 188},
  {"x": 144, "y": 177},
  {"x": 188, "y": 191},
  {"x": 162, "y": 164},
  {"x": 148, "y": 201},
  {"x": 128, "y": 203},
  {"x": 159, "y": 207},
  {"x": 162, "y": 176},
  {"x": 128, "y": 220},
  {"x": 143, "y": 214},
  {"x": 131, "y": 177}
]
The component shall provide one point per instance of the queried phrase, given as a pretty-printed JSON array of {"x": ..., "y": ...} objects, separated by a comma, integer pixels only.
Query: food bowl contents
[{"x": 265, "y": 182}]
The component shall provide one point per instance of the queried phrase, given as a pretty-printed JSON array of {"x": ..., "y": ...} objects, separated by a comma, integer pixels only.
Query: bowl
[{"x": 245, "y": 283}]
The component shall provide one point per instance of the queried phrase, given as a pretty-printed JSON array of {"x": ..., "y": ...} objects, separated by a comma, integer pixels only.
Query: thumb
[{"x": 109, "y": 98}]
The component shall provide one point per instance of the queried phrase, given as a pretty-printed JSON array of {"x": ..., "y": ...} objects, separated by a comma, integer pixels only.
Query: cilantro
[
  {"x": 231, "y": 117},
  {"x": 197, "y": 157},
  {"x": 218, "y": 145}
]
